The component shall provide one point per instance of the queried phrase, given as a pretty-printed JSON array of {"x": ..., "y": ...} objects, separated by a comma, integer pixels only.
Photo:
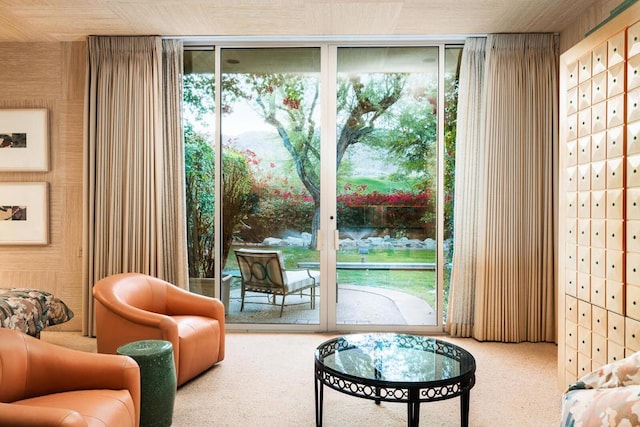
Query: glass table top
[{"x": 395, "y": 358}]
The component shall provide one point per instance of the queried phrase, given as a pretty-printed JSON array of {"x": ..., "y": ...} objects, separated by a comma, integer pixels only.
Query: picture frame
[
  {"x": 24, "y": 142},
  {"x": 24, "y": 213}
]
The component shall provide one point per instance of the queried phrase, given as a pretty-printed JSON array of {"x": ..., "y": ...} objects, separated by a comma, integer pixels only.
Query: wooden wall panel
[
  {"x": 69, "y": 156},
  {"x": 52, "y": 76},
  {"x": 33, "y": 68},
  {"x": 74, "y": 70}
]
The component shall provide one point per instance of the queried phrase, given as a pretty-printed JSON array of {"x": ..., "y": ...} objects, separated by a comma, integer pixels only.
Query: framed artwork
[
  {"x": 24, "y": 142},
  {"x": 24, "y": 208}
]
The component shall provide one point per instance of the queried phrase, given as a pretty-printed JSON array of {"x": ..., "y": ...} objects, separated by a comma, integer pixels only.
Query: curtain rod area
[{"x": 209, "y": 40}]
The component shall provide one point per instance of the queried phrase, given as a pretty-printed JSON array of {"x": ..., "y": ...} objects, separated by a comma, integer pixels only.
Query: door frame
[{"x": 328, "y": 239}]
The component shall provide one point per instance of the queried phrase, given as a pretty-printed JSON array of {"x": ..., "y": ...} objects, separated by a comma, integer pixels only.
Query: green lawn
[
  {"x": 419, "y": 283},
  {"x": 379, "y": 185},
  {"x": 388, "y": 255}
]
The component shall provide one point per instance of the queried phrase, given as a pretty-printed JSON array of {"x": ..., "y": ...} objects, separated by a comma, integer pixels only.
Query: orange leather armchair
[
  {"x": 132, "y": 307},
  {"x": 42, "y": 384}
]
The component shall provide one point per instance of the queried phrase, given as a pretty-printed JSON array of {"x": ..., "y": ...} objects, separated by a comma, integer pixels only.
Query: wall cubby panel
[{"x": 599, "y": 272}]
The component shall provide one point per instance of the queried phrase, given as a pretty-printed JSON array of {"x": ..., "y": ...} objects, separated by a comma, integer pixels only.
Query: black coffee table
[{"x": 395, "y": 368}]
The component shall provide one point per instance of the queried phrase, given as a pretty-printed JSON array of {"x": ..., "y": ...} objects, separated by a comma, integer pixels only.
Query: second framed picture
[
  {"x": 24, "y": 213},
  {"x": 24, "y": 142}
]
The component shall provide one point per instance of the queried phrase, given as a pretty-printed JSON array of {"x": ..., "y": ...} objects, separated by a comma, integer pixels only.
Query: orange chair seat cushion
[
  {"x": 96, "y": 407},
  {"x": 199, "y": 339}
]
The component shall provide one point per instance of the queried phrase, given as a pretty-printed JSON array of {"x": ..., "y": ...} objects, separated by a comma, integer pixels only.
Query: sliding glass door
[
  {"x": 270, "y": 132},
  {"x": 333, "y": 158},
  {"x": 387, "y": 158}
]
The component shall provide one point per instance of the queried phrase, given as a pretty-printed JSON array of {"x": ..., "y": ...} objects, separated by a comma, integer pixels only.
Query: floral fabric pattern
[
  {"x": 31, "y": 310},
  {"x": 609, "y": 396}
]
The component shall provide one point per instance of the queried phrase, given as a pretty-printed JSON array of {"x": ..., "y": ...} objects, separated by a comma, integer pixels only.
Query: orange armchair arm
[
  {"x": 180, "y": 301},
  {"x": 68, "y": 370},
  {"x": 29, "y": 416},
  {"x": 142, "y": 317},
  {"x": 134, "y": 323},
  {"x": 183, "y": 302}
]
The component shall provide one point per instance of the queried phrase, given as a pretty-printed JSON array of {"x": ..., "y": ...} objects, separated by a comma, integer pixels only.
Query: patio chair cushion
[
  {"x": 300, "y": 279},
  {"x": 263, "y": 271}
]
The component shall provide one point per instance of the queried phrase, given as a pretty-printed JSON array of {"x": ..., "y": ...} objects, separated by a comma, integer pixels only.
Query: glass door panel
[
  {"x": 453, "y": 56},
  {"x": 270, "y": 135},
  {"x": 387, "y": 181},
  {"x": 200, "y": 158}
]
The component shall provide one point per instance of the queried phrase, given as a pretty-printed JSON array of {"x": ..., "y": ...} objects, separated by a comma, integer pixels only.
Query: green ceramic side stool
[{"x": 157, "y": 380}]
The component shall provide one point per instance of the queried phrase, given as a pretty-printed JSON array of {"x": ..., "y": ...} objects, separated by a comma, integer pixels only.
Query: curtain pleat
[
  {"x": 459, "y": 320},
  {"x": 513, "y": 255},
  {"x": 133, "y": 200},
  {"x": 174, "y": 223}
]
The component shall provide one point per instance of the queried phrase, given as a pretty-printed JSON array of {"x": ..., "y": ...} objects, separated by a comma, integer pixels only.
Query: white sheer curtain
[
  {"x": 511, "y": 244},
  {"x": 134, "y": 167},
  {"x": 467, "y": 193}
]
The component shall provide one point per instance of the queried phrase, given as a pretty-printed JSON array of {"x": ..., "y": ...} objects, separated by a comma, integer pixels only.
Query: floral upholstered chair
[{"x": 609, "y": 396}]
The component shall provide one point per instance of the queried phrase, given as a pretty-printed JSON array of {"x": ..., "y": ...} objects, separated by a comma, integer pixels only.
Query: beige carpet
[{"x": 267, "y": 380}]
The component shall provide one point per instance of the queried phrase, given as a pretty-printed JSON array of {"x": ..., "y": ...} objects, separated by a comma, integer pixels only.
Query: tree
[
  {"x": 373, "y": 109},
  {"x": 288, "y": 103},
  {"x": 200, "y": 204},
  {"x": 236, "y": 198},
  {"x": 280, "y": 100},
  {"x": 200, "y": 201}
]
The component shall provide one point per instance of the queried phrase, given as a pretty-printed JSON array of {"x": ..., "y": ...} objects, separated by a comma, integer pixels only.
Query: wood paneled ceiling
[{"x": 71, "y": 20}]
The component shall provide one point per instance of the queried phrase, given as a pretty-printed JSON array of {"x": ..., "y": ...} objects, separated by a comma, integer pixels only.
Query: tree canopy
[{"x": 385, "y": 111}]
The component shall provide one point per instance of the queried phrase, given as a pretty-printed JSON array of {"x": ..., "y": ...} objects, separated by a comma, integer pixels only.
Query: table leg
[
  {"x": 464, "y": 408},
  {"x": 413, "y": 409},
  {"x": 319, "y": 396},
  {"x": 377, "y": 376}
]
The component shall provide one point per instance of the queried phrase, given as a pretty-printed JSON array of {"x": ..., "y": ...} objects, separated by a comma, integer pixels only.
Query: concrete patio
[{"x": 356, "y": 305}]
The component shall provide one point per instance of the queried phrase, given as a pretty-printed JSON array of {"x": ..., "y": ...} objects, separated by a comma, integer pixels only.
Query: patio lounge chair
[{"x": 263, "y": 271}]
